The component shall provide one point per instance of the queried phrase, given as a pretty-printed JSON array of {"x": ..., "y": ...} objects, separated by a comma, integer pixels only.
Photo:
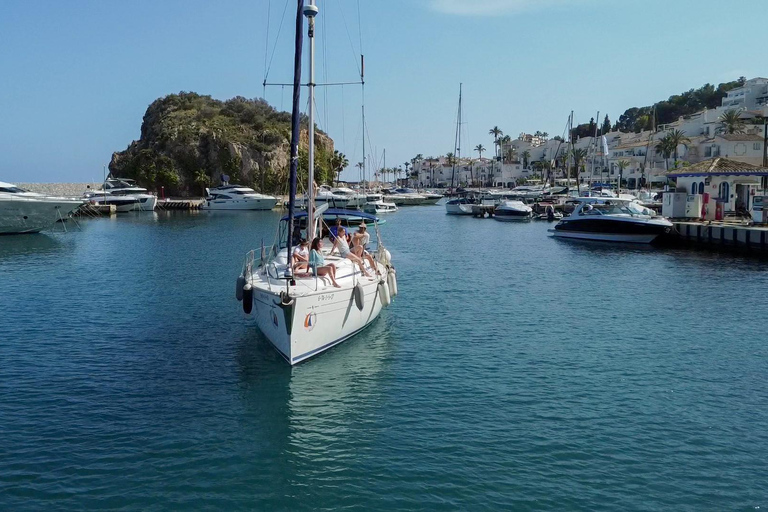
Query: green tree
[
  {"x": 677, "y": 138},
  {"x": 606, "y": 125},
  {"x": 480, "y": 148},
  {"x": 202, "y": 180},
  {"x": 525, "y": 155},
  {"x": 578, "y": 156},
  {"x": 497, "y": 133},
  {"x": 731, "y": 121}
]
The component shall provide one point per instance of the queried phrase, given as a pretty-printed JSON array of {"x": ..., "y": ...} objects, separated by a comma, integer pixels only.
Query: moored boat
[
  {"x": 611, "y": 220},
  {"x": 22, "y": 211},
  {"x": 512, "y": 211}
]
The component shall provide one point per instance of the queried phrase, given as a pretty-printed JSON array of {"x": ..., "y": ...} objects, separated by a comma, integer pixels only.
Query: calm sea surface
[{"x": 513, "y": 371}]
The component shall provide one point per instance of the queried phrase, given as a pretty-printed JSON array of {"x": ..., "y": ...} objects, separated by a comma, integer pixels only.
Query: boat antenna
[
  {"x": 295, "y": 127},
  {"x": 310, "y": 11},
  {"x": 594, "y": 149}
]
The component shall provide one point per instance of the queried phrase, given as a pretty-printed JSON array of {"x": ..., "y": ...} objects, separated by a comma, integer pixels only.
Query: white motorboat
[
  {"x": 354, "y": 200},
  {"x": 237, "y": 197},
  {"x": 303, "y": 315},
  {"x": 403, "y": 197},
  {"x": 612, "y": 220},
  {"x": 377, "y": 207},
  {"x": 124, "y": 194},
  {"x": 324, "y": 195},
  {"x": 22, "y": 211},
  {"x": 513, "y": 211},
  {"x": 459, "y": 206},
  {"x": 430, "y": 197}
]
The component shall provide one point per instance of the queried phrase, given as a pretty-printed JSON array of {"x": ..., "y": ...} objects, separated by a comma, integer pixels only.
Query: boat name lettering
[{"x": 325, "y": 297}]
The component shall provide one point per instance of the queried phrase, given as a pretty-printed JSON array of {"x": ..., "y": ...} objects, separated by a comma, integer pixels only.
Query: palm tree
[
  {"x": 623, "y": 164},
  {"x": 338, "y": 163},
  {"x": 202, "y": 179},
  {"x": 665, "y": 149},
  {"x": 731, "y": 121},
  {"x": 359, "y": 165},
  {"x": 677, "y": 138},
  {"x": 497, "y": 133},
  {"x": 578, "y": 156},
  {"x": 526, "y": 155},
  {"x": 480, "y": 148}
]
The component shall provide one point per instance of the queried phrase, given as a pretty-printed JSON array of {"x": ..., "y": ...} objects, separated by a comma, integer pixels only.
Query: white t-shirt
[{"x": 301, "y": 251}]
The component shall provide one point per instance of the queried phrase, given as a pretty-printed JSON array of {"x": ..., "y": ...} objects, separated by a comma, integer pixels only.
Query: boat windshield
[
  {"x": 607, "y": 209},
  {"x": 12, "y": 190}
]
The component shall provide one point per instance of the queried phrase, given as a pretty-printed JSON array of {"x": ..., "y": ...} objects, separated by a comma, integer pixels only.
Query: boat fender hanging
[
  {"x": 239, "y": 287},
  {"x": 247, "y": 298},
  {"x": 384, "y": 293},
  {"x": 392, "y": 282},
  {"x": 359, "y": 295}
]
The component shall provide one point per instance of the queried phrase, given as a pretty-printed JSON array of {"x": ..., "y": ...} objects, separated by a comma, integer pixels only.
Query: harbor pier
[{"x": 724, "y": 234}]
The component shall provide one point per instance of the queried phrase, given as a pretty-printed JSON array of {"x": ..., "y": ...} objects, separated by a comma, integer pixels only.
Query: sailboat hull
[{"x": 316, "y": 321}]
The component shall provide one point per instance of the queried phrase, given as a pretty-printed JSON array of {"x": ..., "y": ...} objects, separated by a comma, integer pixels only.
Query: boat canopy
[{"x": 339, "y": 212}]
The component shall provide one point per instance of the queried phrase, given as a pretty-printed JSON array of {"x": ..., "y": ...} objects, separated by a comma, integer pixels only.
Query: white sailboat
[{"x": 303, "y": 315}]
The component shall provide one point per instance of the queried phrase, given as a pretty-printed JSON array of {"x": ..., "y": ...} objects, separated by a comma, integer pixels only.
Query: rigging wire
[
  {"x": 266, "y": 50},
  {"x": 349, "y": 36}
]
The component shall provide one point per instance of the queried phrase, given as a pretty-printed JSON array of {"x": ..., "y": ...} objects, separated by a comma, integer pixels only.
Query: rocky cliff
[{"x": 188, "y": 141}]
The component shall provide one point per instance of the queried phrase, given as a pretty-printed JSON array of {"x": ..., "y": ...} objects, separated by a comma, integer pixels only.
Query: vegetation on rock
[{"x": 189, "y": 140}]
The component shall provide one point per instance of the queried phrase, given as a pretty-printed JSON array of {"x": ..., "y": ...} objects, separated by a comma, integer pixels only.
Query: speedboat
[
  {"x": 377, "y": 207},
  {"x": 403, "y": 197},
  {"x": 124, "y": 194},
  {"x": 430, "y": 197},
  {"x": 513, "y": 211},
  {"x": 459, "y": 206},
  {"x": 611, "y": 220},
  {"x": 22, "y": 211},
  {"x": 354, "y": 200},
  {"x": 237, "y": 197}
]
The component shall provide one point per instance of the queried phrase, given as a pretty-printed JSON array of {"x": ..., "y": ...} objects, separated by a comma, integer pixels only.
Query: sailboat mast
[
  {"x": 362, "y": 107},
  {"x": 295, "y": 127},
  {"x": 456, "y": 141},
  {"x": 594, "y": 150},
  {"x": 310, "y": 11}
]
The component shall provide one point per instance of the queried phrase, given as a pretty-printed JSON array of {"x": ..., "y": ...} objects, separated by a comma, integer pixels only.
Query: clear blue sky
[{"x": 77, "y": 76}]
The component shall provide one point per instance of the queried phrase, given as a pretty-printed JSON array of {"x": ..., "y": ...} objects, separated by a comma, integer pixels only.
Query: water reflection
[{"x": 22, "y": 245}]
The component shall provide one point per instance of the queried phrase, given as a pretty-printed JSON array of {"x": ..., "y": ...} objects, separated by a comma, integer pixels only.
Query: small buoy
[
  {"x": 247, "y": 298},
  {"x": 392, "y": 282},
  {"x": 384, "y": 293},
  {"x": 359, "y": 295},
  {"x": 239, "y": 287}
]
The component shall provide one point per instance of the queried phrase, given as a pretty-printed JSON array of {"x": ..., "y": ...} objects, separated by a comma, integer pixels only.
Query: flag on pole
[{"x": 605, "y": 146}]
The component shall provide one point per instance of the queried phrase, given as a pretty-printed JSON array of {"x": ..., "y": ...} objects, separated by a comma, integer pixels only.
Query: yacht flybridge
[
  {"x": 300, "y": 309},
  {"x": 22, "y": 211},
  {"x": 611, "y": 220}
]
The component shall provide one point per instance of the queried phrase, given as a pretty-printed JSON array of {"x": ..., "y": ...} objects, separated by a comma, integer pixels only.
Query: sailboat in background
[
  {"x": 299, "y": 311},
  {"x": 458, "y": 205}
]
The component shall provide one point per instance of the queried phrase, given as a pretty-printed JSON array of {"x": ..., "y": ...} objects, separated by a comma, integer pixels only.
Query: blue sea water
[{"x": 512, "y": 372}]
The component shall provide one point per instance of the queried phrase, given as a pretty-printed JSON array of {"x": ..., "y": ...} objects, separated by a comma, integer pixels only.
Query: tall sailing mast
[
  {"x": 310, "y": 11},
  {"x": 457, "y": 141},
  {"x": 295, "y": 127}
]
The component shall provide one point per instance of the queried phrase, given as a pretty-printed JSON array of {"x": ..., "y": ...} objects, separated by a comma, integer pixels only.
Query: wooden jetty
[{"x": 725, "y": 234}]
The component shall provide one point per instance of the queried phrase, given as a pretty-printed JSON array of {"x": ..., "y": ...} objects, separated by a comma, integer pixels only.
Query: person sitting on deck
[
  {"x": 301, "y": 257},
  {"x": 345, "y": 252},
  {"x": 359, "y": 241},
  {"x": 334, "y": 230},
  {"x": 317, "y": 262}
]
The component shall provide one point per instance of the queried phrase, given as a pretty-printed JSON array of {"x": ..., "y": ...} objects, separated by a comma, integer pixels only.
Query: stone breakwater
[{"x": 59, "y": 189}]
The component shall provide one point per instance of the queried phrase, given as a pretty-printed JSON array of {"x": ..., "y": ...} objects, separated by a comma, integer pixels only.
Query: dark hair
[
  {"x": 340, "y": 230},
  {"x": 316, "y": 244},
  {"x": 338, "y": 221},
  {"x": 302, "y": 241}
]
